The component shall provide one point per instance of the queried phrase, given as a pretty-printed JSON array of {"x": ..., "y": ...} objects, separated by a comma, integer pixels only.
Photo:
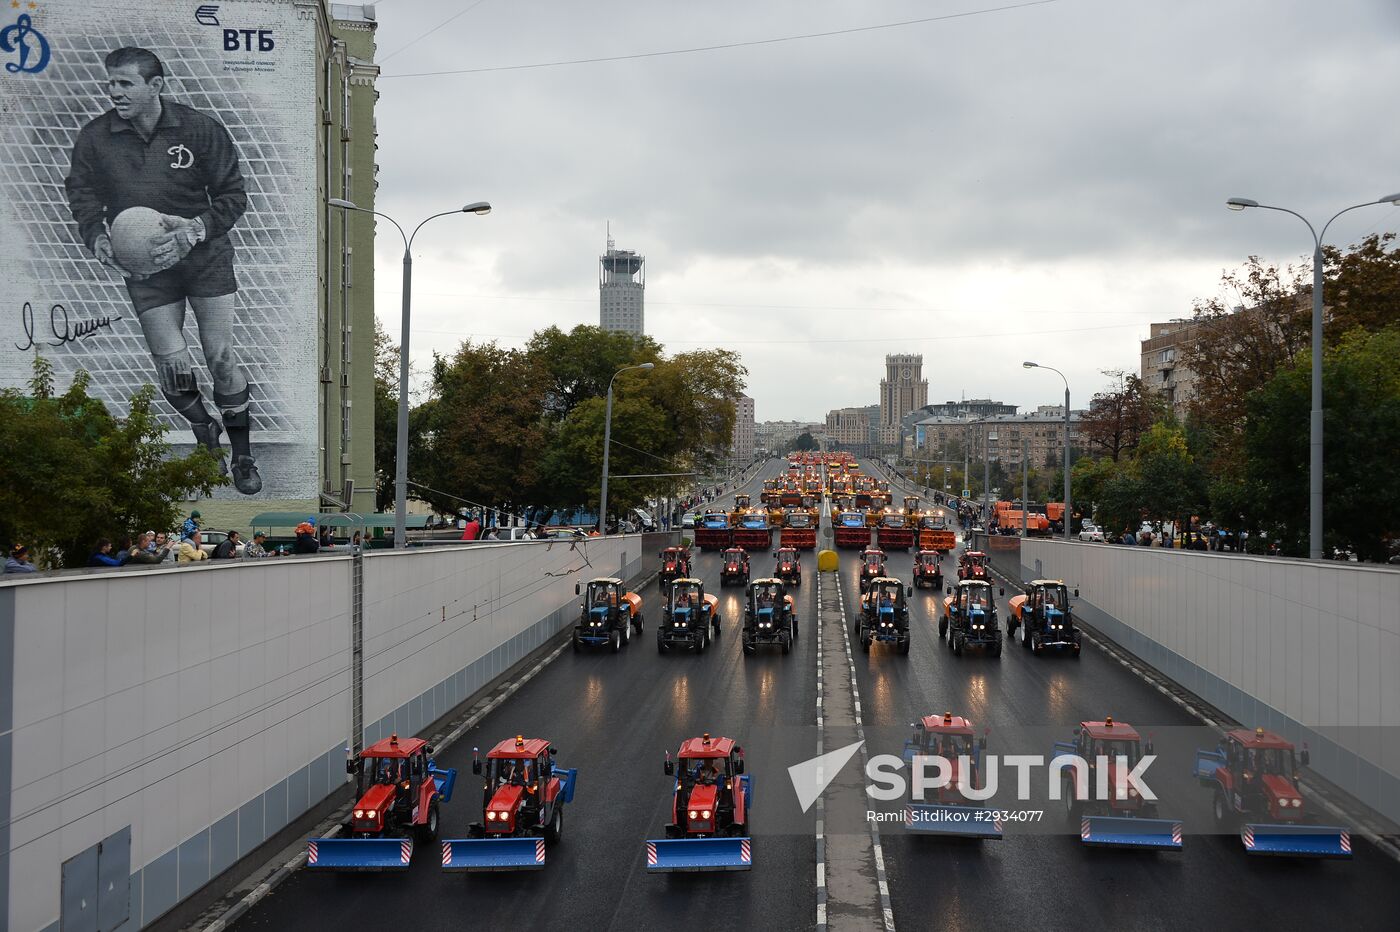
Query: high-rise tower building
[
  {"x": 903, "y": 389},
  {"x": 621, "y": 287}
]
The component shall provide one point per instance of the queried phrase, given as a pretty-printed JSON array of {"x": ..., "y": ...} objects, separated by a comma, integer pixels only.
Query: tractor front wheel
[
  {"x": 639, "y": 622},
  {"x": 616, "y": 643},
  {"x": 942, "y": 628}
]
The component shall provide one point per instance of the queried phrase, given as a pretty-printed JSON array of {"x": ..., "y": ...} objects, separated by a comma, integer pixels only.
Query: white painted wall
[
  {"x": 1317, "y": 643},
  {"x": 165, "y": 699}
]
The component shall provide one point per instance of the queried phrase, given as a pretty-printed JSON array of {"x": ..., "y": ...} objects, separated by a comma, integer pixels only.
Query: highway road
[
  {"x": 1052, "y": 881},
  {"x": 613, "y": 716}
]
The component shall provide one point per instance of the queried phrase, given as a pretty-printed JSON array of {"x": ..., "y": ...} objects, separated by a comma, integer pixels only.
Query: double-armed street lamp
[
  {"x": 607, "y": 445},
  {"x": 480, "y": 208},
  {"x": 1315, "y": 428},
  {"x": 1069, "y": 511}
]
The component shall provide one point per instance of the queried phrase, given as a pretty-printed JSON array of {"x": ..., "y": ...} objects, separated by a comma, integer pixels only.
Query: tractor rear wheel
[
  {"x": 942, "y": 628},
  {"x": 1071, "y": 803},
  {"x": 428, "y": 831},
  {"x": 554, "y": 831}
]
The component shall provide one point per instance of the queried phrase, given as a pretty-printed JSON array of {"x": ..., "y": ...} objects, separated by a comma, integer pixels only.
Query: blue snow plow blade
[
  {"x": 358, "y": 854},
  {"x": 964, "y": 821},
  {"x": 492, "y": 854},
  {"x": 1129, "y": 832},
  {"x": 1302, "y": 841},
  {"x": 568, "y": 776},
  {"x": 699, "y": 854}
]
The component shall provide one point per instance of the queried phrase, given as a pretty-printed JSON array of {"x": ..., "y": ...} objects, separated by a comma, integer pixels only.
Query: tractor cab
[
  {"x": 950, "y": 737},
  {"x": 675, "y": 562},
  {"x": 608, "y": 614},
  {"x": 884, "y": 615},
  {"x": 972, "y": 565},
  {"x": 933, "y": 522},
  {"x": 768, "y": 616},
  {"x": 852, "y": 519},
  {"x": 517, "y": 771},
  {"x": 715, "y": 520},
  {"x": 735, "y": 566},
  {"x": 689, "y": 617},
  {"x": 911, "y": 505},
  {"x": 1113, "y": 745},
  {"x": 741, "y": 501},
  {"x": 754, "y": 520},
  {"x": 1046, "y": 616},
  {"x": 872, "y": 565},
  {"x": 710, "y": 798},
  {"x": 970, "y": 617},
  {"x": 928, "y": 569},
  {"x": 788, "y": 566},
  {"x": 894, "y": 519}
]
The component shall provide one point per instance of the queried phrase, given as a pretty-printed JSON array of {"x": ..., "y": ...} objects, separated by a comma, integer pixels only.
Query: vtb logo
[
  {"x": 183, "y": 157},
  {"x": 28, "y": 43},
  {"x": 207, "y": 15}
]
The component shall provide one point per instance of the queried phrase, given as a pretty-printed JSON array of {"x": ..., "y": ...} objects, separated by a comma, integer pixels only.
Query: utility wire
[
  {"x": 726, "y": 45},
  {"x": 384, "y": 58}
]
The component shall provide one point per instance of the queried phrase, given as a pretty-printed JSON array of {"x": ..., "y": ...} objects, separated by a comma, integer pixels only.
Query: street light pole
[
  {"x": 480, "y": 208},
  {"x": 607, "y": 447},
  {"x": 1315, "y": 425},
  {"x": 1069, "y": 511}
]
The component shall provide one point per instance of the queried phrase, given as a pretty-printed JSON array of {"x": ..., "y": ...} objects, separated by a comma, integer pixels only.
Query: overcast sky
[{"x": 1035, "y": 183}]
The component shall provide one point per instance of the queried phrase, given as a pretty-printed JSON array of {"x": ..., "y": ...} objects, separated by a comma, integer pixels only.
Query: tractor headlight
[
  {"x": 1297, "y": 803},
  {"x": 694, "y": 814},
  {"x": 705, "y": 814},
  {"x": 359, "y": 813},
  {"x": 491, "y": 816}
]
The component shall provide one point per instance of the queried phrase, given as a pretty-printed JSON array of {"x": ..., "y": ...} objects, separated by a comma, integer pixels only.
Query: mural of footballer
[{"x": 150, "y": 152}]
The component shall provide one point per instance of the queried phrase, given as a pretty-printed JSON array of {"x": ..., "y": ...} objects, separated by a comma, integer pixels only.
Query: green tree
[
  {"x": 579, "y": 364},
  {"x": 804, "y": 441},
  {"x": 1363, "y": 287},
  {"x": 479, "y": 436},
  {"x": 75, "y": 473},
  {"x": 1119, "y": 416},
  {"x": 1259, "y": 324},
  {"x": 1361, "y": 384},
  {"x": 1173, "y": 484}
]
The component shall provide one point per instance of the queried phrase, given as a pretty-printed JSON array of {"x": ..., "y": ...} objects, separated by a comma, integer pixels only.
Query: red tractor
[
  {"x": 972, "y": 565},
  {"x": 872, "y": 566},
  {"x": 398, "y": 788},
  {"x": 951, "y": 813},
  {"x": 735, "y": 568},
  {"x": 709, "y": 810},
  {"x": 522, "y": 803},
  {"x": 1255, "y": 778},
  {"x": 928, "y": 570},
  {"x": 1122, "y": 819},
  {"x": 675, "y": 563},
  {"x": 789, "y": 565}
]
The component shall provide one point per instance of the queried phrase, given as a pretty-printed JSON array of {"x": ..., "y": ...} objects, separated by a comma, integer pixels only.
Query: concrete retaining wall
[
  {"x": 199, "y": 710},
  {"x": 1310, "y": 650}
]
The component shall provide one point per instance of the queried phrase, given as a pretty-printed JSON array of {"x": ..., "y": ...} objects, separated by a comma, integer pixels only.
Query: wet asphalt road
[
  {"x": 1052, "y": 881},
  {"x": 613, "y": 716}
]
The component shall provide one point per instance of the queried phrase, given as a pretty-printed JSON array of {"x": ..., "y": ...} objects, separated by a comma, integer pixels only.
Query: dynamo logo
[{"x": 28, "y": 43}]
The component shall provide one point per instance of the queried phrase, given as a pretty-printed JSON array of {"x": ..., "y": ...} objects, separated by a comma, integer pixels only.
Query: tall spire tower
[{"x": 621, "y": 289}]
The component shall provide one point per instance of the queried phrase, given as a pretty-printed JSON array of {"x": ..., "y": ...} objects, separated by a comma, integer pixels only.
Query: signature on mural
[{"x": 63, "y": 328}]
